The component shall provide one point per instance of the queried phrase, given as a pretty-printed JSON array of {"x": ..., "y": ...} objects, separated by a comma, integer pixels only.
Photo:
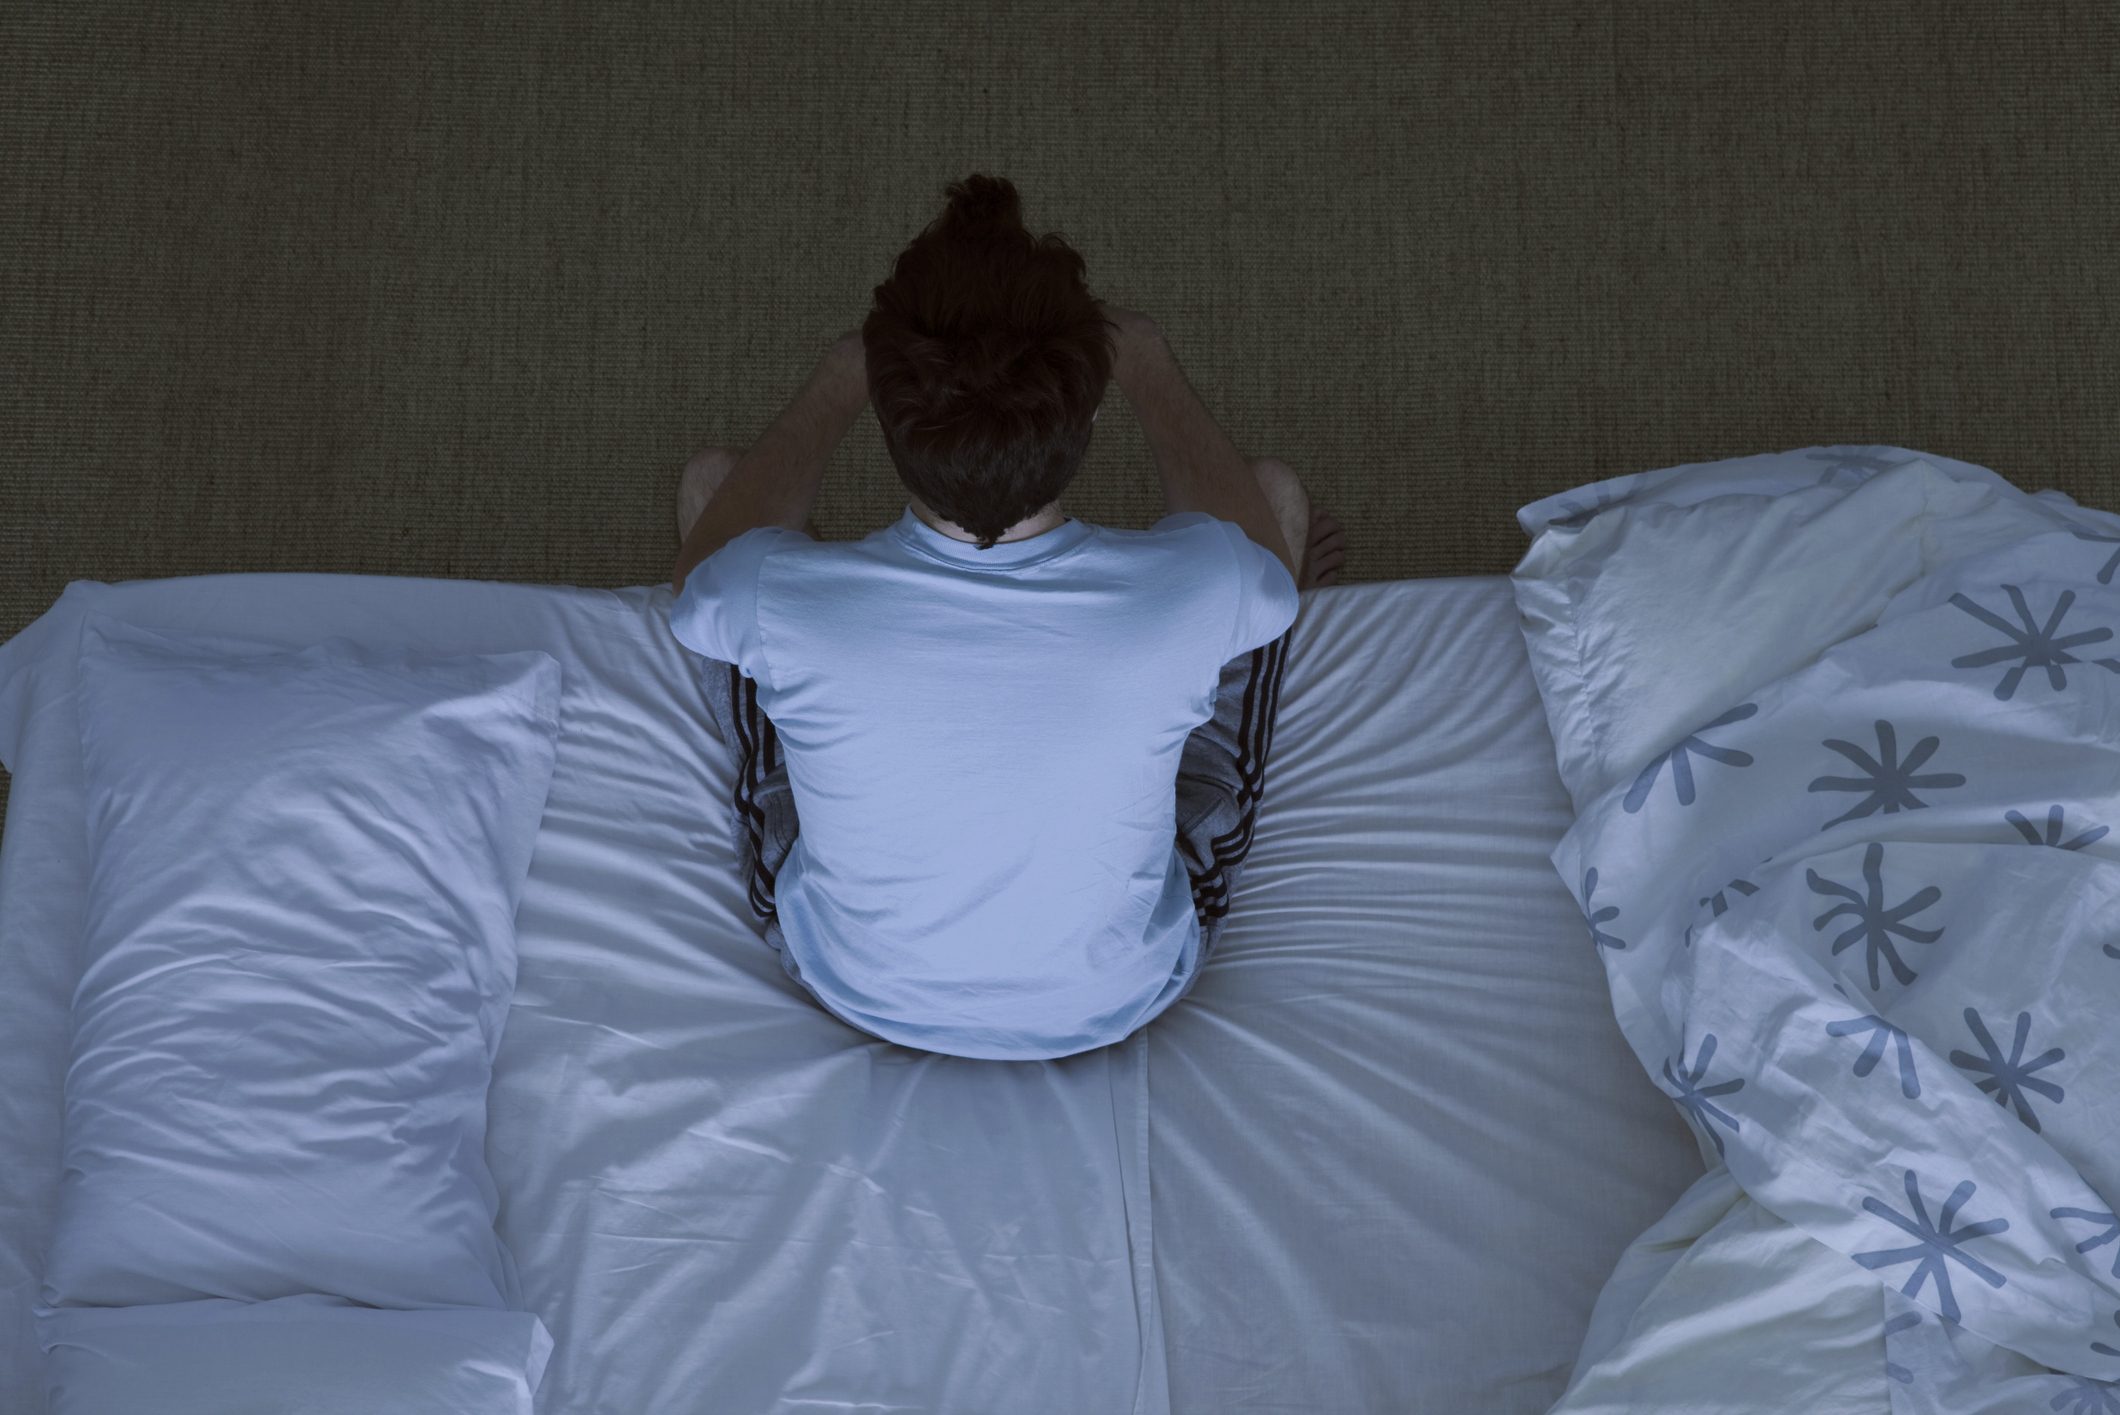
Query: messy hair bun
[
  {"x": 987, "y": 358},
  {"x": 983, "y": 206}
]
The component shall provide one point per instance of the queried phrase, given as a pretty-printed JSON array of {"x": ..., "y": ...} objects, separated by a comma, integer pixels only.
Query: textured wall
[{"x": 452, "y": 289}]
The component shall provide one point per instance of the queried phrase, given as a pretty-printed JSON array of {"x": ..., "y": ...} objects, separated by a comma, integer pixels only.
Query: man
[{"x": 1028, "y": 751}]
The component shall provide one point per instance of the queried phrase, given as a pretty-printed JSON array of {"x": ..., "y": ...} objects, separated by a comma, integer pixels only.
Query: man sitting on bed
[{"x": 984, "y": 704}]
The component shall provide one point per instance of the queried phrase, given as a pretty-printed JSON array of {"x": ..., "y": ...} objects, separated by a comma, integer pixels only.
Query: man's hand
[
  {"x": 1136, "y": 333},
  {"x": 848, "y": 347}
]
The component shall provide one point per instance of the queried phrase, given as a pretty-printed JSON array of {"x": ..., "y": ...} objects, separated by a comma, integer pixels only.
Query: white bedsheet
[{"x": 1383, "y": 1158}]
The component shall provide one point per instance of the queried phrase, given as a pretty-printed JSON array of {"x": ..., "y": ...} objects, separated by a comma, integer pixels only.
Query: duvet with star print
[{"x": 1843, "y": 730}]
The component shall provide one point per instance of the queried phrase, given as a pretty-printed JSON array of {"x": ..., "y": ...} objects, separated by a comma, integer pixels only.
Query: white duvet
[{"x": 1843, "y": 731}]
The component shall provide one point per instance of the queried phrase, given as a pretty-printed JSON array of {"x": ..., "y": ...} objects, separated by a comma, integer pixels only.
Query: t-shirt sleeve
[
  {"x": 1267, "y": 598},
  {"x": 716, "y": 614}
]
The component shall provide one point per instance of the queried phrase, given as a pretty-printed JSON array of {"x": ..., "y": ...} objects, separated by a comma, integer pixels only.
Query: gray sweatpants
[{"x": 1221, "y": 777}]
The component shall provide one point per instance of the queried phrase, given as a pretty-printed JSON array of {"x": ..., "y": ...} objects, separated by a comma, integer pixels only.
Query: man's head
[{"x": 987, "y": 357}]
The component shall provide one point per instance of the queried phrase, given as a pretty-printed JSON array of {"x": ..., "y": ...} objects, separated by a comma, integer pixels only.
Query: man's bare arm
[
  {"x": 775, "y": 481},
  {"x": 1200, "y": 467}
]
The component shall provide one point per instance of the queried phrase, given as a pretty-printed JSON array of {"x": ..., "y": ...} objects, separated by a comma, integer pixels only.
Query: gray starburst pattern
[
  {"x": 2053, "y": 837},
  {"x": 2053, "y": 830},
  {"x": 1882, "y": 1034},
  {"x": 1891, "y": 782},
  {"x": 1598, "y": 936},
  {"x": 1937, "y": 1244},
  {"x": 1899, "y": 1323},
  {"x": 1875, "y": 924},
  {"x": 1681, "y": 769},
  {"x": 2105, "y": 575},
  {"x": 2036, "y": 646},
  {"x": 2101, "y": 1348},
  {"x": 2087, "y": 1397},
  {"x": 2097, "y": 1240},
  {"x": 1721, "y": 900},
  {"x": 2008, "y": 1078},
  {"x": 1697, "y": 1100}
]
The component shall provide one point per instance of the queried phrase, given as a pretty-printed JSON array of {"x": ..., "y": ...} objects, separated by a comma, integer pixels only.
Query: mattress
[{"x": 1382, "y": 1158}]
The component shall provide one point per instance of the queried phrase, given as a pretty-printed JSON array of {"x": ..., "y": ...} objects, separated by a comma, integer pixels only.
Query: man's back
[{"x": 983, "y": 747}]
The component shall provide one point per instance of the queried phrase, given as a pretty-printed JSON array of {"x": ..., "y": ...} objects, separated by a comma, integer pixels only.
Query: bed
[
  {"x": 1395, "y": 1152},
  {"x": 1635, "y": 951},
  {"x": 1633, "y": 955}
]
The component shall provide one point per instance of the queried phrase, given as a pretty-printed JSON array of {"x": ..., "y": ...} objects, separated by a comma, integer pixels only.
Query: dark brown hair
[{"x": 987, "y": 358}]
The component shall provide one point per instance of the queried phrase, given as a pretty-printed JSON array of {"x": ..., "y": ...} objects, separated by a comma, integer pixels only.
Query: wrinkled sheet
[
  {"x": 1384, "y": 1157},
  {"x": 1862, "y": 924}
]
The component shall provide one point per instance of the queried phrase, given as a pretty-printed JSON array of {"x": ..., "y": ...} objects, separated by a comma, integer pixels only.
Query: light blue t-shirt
[{"x": 983, "y": 747}]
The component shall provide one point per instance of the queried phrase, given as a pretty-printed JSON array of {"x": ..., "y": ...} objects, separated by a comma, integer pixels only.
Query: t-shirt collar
[{"x": 1008, "y": 555}]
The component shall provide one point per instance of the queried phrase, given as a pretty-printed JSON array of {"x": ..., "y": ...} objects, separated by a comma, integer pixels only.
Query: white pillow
[
  {"x": 1683, "y": 588},
  {"x": 313, "y": 1355},
  {"x": 1844, "y": 465},
  {"x": 299, "y": 953}
]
